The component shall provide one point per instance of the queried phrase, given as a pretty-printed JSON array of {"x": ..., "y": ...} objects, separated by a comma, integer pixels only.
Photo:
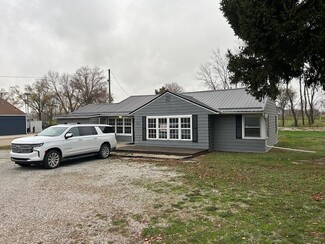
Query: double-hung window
[
  {"x": 252, "y": 126},
  {"x": 185, "y": 128},
  {"x": 169, "y": 127},
  {"x": 162, "y": 128},
  {"x": 152, "y": 128},
  {"x": 122, "y": 126},
  {"x": 174, "y": 128}
]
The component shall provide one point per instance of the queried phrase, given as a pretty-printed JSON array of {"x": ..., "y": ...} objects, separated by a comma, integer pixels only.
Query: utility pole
[{"x": 109, "y": 87}]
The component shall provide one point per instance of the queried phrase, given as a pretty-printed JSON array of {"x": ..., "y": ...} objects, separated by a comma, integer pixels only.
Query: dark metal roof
[
  {"x": 223, "y": 101},
  {"x": 228, "y": 100},
  {"x": 122, "y": 108}
]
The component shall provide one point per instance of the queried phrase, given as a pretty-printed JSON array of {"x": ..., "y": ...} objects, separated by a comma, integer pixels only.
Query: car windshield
[{"x": 53, "y": 131}]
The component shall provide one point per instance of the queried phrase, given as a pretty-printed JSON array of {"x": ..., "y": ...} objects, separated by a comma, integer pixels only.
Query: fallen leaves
[
  {"x": 153, "y": 239},
  {"x": 318, "y": 196}
]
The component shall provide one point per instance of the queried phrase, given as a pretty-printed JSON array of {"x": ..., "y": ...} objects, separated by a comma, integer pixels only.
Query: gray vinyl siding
[
  {"x": 224, "y": 127},
  {"x": 79, "y": 120},
  {"x": 123, "y": 138},
  {"x": 271, "y": 110},
  {"x": 211, "y": 132},
  {"x": 169, "y": 105},
  {"x": 12, "y": 125}
]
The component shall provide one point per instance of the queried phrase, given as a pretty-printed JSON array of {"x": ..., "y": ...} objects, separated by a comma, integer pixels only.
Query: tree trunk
[
  {"x": 301, "y": 103},
  {"x": 283, "y": 110},
  {"x": 306, "y": 99},
  {"x": 292, "y": 108}
]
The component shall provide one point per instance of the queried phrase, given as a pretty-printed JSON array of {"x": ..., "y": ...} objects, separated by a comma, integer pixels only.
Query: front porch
[{"x": 129, "y": 149}]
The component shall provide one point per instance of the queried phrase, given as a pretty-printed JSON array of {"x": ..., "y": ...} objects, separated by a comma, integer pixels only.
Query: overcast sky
[{"x": 145, "y": 43}]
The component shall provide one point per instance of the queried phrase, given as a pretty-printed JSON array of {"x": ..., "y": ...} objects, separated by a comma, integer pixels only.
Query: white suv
[{"x": 63, "y": 141}]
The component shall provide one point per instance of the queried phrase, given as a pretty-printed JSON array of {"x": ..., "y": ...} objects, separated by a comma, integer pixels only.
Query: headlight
[{"x": 36, "y": 145}]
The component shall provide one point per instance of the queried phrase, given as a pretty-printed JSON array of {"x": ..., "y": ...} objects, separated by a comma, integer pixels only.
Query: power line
[
  {"x": 120, "y": 85},
  {"x": 20, "y": 77}
]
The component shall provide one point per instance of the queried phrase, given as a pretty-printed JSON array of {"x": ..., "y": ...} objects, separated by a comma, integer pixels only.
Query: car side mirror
[{"x": 68, "y": 135}]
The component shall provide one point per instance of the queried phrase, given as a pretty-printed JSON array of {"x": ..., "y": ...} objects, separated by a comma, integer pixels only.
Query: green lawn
[
  {"x": 289, "y": 122},
  {"x": 246, "y": 197}
]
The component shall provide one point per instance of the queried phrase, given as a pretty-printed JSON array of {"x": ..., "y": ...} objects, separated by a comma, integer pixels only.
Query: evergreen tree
[{"x": 283, "y": 40}]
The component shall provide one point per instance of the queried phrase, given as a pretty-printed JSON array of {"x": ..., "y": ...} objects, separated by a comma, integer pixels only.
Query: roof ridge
[{"x": 221, "y": 90}]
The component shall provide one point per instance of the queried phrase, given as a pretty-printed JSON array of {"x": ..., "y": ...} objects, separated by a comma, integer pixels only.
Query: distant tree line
[{"x": 57, "y": 93}]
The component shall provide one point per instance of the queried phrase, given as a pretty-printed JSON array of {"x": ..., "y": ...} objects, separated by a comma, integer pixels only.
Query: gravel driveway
[{"x": 83, "y": 201}]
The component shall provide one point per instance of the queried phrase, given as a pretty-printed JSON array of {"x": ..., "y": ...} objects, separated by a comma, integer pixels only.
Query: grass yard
[
  {"x": 289, "y": 122},
  {"x": 246, "y": 197}
]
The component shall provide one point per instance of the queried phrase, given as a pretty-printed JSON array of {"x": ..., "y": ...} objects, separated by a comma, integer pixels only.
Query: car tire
[
  {"x": 104, "y": 151},
  {"x": 52, "y": 159}
]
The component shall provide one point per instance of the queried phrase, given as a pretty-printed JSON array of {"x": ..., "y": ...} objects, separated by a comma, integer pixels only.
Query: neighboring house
[
  {"x": 12, "y": 120},
  {"x": 223, "y": 120}
]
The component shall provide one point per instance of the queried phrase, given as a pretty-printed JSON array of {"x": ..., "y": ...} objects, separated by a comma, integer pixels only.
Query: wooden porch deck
[{"x": 131, "y": 148}]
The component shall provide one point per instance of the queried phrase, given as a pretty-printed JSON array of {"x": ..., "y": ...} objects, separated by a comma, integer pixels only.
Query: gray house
[{"x": 222, "y": 120}]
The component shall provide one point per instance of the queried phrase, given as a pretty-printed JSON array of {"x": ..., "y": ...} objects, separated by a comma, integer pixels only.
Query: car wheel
[
  {"x": 104, "y": 151},
  {"x": 23, "y": 165},
  {"x": 52, "y": 159}
]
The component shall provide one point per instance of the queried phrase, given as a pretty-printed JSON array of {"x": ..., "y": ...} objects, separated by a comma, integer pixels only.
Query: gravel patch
[{"x": 83, "y": 201}]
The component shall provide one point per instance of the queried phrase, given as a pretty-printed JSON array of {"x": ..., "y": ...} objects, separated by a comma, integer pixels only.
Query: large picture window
[
  {"x": 252, "y": 126},
  {"x": 169, "y": 127},
  {"x": 122, "y": 126}
]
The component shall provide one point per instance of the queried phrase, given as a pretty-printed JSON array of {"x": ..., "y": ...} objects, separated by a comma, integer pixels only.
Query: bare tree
[
  {"x": 301, "y": 101},
  {"x": 215, "y": 74},
  {"x": 309, "y": 94},
  {"x": 39, "y": 96},
  {"x": 67, "y": 97},
  {"x": 206, "y": 75},
  {"x": 91, "y": 84},
  {"x": 172, "y": 87},
  {"x": 292, "y": 96},
  {"x": 282, "y": 101},
  {"x": 12, "y": 96}
]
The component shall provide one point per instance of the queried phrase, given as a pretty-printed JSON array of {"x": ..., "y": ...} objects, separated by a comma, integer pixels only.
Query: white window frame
[
  {"x": 179, "y": 117},
  {"x": 123, "y": 125},
  {"x": 262, "y": 127}
]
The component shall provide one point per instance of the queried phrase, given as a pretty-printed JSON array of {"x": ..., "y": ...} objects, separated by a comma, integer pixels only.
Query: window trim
[
  {"x": 123, "y": 126},
  {"x": 262, "y": 127},
  {"x": 179, "y": 117}
]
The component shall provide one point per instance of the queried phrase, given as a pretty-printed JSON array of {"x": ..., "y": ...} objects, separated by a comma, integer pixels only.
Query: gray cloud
[{"x": 146, "y": 43}]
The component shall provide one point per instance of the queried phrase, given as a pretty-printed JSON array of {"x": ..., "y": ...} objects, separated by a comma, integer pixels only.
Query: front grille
[{"x": 21, "y": 148}]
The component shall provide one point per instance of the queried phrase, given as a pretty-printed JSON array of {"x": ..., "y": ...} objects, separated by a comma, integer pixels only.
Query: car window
[
  {"x": 106, "y": 129},
  {"x": 53, "y": 131},
  {"x": 74, "y": 131},
  {"x": 87, "y": 130}
]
